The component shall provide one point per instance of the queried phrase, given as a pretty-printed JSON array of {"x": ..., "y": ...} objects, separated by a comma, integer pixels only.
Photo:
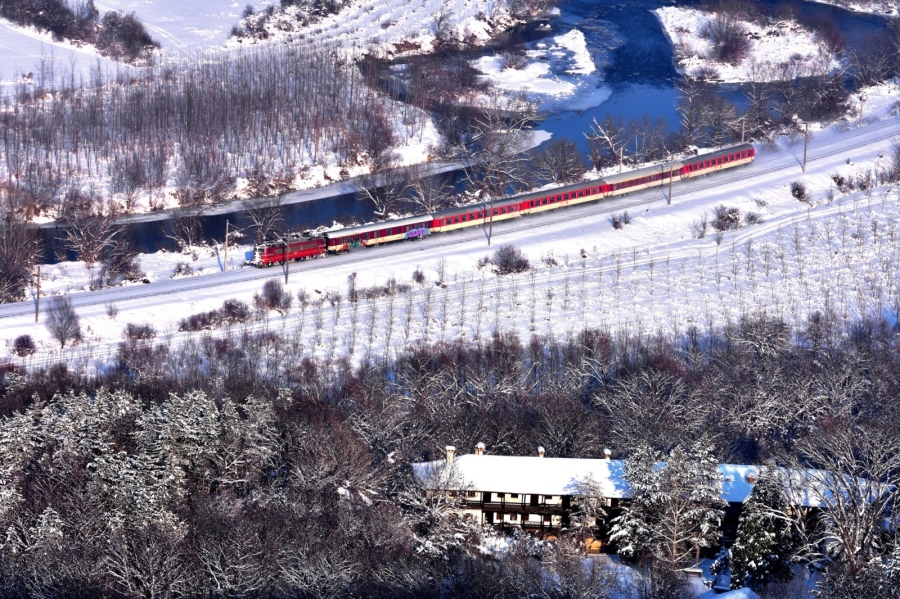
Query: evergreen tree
[
  {"x": 676, "y": 505},
  {"x": 762, "y": 550}
]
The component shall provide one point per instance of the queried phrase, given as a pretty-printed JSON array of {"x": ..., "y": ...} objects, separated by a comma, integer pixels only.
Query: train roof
[
  {"x": 646, "y": 171},
  {"x": 465, "y": 208},
  {"x": 400, "y": 222},
  {"x": 718, "y": 153}
]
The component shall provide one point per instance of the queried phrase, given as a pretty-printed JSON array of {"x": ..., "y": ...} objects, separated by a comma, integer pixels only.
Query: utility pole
[
  {"x": 37, "y": 294},
  {"x": 743, "y": 127},
  {"x": 491, "y": 221},
  {"x": 225, "y": 263},
  {"x": 287, "y": 262},
  {"x": 805, "y": 143},
  {"x": 671, "y": 177},
  {"x": 862, "y": 104}
]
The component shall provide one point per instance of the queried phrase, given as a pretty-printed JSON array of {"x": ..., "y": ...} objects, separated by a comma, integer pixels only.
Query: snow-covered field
[
  {"x": 837, "y": 252},
  {"x": 780, "y": 43},
  {"x": 25, "y": 51},
  {"x": 877, "y": 7}
]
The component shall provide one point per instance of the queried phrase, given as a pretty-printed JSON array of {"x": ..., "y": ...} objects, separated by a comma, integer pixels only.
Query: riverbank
[{"x": 775, "y": 49}]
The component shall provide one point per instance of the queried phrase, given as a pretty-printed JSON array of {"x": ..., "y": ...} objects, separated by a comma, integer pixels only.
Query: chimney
[
  {"x": 540, "y": 451},
  {"x": 451, "y": 451},
  {"x": 607, "y": 453},
  {"x": 479, "y": 449}
]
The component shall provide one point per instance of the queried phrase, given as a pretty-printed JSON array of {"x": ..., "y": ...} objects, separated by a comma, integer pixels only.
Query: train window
[{"x": 566, "y": 197}]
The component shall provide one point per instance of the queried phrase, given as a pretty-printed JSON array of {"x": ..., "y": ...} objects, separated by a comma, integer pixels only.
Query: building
[{"x": 540, "y": 494}]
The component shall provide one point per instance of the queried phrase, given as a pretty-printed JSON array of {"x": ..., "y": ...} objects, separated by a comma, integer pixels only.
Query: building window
[{"x": 513, "y": 495}]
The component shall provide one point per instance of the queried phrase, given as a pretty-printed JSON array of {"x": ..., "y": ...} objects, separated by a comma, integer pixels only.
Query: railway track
[{"x": 763, "y": 166}]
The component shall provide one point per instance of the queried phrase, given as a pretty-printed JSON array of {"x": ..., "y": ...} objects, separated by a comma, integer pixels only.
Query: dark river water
[
  {"x": 626, "y": 37},
  {"x": 627, "y": 44}
]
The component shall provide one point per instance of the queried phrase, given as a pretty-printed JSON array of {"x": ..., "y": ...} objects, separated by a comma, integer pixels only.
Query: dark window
[{"x": 514, "y": 496}]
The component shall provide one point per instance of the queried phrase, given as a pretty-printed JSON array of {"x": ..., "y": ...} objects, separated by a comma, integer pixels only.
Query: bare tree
[
  {"x": 87, "y": 229},
  {"x": 266, "y": 214},
  {"x": 608, "y": 142},
  {"x": 429, "y": 191},
  {"x": 558, "y": 161},
  {"x": 18, "y": 251},
  {"x": 495, "y": 148},
  {"x": 384, "y": 188},
  {"x": 62, "y": 322},
  {"x": 852, "y": 472},
  {"x": 692, "y": 109}
]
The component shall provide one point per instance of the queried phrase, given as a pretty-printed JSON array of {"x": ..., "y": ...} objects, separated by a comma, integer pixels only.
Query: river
[{"x": 626, "y": 42}]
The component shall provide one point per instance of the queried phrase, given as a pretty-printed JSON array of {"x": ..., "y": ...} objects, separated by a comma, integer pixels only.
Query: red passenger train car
[{"x": 419, "y": 226}]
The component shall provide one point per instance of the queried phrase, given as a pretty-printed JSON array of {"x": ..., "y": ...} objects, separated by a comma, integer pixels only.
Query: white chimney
[
  {"x": 451, "y": 451},
  {"x": 607, "y": 453},
  {"x": 479, "y": 449},
  {"x": 540, "y": 451}
]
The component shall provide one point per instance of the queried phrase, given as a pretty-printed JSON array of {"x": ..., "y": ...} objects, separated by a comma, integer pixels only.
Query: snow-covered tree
[
  {"x": 762, "y": 550},
  {"x": 676, "y": 505}
]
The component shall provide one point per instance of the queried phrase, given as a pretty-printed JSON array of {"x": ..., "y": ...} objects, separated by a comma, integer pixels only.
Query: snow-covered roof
[
  {"x": 568, "y": 476},
  {"x": 524, "y": 474}
]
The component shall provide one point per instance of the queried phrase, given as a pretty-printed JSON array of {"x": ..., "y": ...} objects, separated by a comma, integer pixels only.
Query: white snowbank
[
  {"x": 875, "y": 7},
  {"x": 777, "y": 45},
  {"x": 558, "y": 73}
]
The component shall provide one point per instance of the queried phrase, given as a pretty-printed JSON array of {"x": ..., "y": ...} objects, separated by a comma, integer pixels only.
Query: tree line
[
  {"x": 228, "y": 465},
  {"x": 117, "y": 35}
]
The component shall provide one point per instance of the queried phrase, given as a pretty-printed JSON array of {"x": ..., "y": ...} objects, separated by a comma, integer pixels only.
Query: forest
[{"x": 227, "y": 466}]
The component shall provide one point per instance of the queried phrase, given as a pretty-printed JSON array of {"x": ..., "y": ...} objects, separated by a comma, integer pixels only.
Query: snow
[
  {"x": 531, "y": 475},
  {"x": 23, "y": 50},
  {"x": 567, "y": 476},
  {"x": 184, "y": 25},
  {"x": 557, "y": 73},
  {"x": 744, "y": 593},
  {"x": 650, "y": 276},
  {"x": 876, "y": 7},
  {"x": 783, "y": 42}
]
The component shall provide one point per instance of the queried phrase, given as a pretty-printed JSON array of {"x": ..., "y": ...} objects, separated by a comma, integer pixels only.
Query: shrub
[
  {"x": 235, "y": 311},
  {"x": 726, "y": 218},
  {"x": 62, "y": 321},
  {"x": 112, "y": 310},
  {"x": 123, "y": 35},
  {"x": 706, "y": 73},
  {"x": 620, "y": 220},
  {"x": 699, "y": 227},
  {"x": 200, "y": 321},
  {"x": 24, "y": 346},
  {"x": 418, "y": 276},
  {"x": 753, "y": 218},
  {"x": 729, "y": 39},
  {"x": 138, "y": 332},
  {"x": 273, "y": 297},
  {"x": 798, "y": 190},
  {"x": 507, "y": 259},
  {"x": 182, "y": 269}
]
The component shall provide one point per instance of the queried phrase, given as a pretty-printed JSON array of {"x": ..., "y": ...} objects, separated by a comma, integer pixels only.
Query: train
[{"x": 296, "y": 247}]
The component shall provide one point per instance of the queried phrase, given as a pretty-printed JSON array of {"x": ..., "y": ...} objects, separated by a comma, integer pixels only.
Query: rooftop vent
[
  {"x": 479, "y": 449},
  {"x": 451, "y": 451},
  {"x": 540, "y": 452}
]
